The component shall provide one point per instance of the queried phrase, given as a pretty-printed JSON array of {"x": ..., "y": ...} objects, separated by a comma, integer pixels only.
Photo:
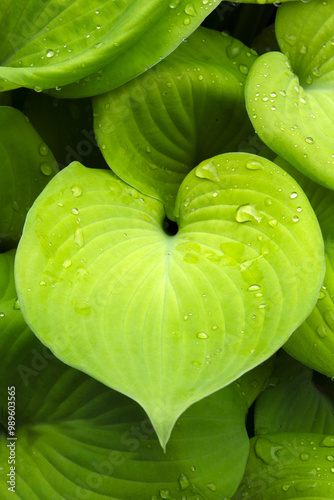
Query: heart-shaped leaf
[
  {"x": 289, "y": 466},
  {"x": 186, "y": 109},
  {"x": 289, "y": 96},
  {"x": 26, "y": 166},
  {"x": 44, "y": 46},
  {"x": 295, "y": 400},
  {"x": 164, "y": 319},
  {"x": 313, "y": 342},
  {"x": 77, "y": 439}
]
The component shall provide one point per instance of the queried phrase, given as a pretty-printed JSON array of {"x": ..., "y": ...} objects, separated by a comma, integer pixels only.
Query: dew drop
[
  {"x": 254, "y": 165},
  {"x": 82, "y": 307},
  {"x": 46, "y": 168},
  {"x": 295, "y": 218},
  {"x": 174, "y": 4},
  {"x": 16, "y": 305},
  {"x": 76, "y": 191},
  {"x": 253, "y": 288},
  {"x": 304, "y": 457},
  {"x": 272, "y": 223},
  {"x": 183, "y": 482},
  {"x": 309, "y": 140},
  {"x": 190, "y": 10},
  {"x": 67, "y": 263},
  {"x": 186, "y": 21},
  {"x": 50, "y": 53},
  {"x": 42, "y": 283},
  {"x": 328, "y": 442},
  {"x": 2, "y": 315},
  {"x": 243, "y": 69},
  {"x": 247, "y": 213},
  {"x": 321, "y": 331},
  {"x": 74, "y": 211},
  {"x": 78, "y": 238},
  {"x": 202, "y": 335},
  {"x": 293, "y": 196},
  {"x": 43, "y": 150},
  {"x": 233, "y": 51},
  {"x": 211, "y": 487},
  {"x": 285, "y": 487}
]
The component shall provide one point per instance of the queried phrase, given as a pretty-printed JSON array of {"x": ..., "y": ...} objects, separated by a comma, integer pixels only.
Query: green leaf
[
  {"x": 66, "y": 125},
  {"x": 78, "y": 439},
  {"x": 45, "y": 46},
  {"x": 167, "y": 320},
  {"x": 289, "y": 466},
  {"x": 266, "y": 2},
  {"x": 184, "y": 110},
  {"x": 26, "y": 166},
  {"x": 289, "y": 95},
  {"x": 252, "y": 383},
  {"x": 313, "y": 342},
  {"x": 294, "y": 401}
]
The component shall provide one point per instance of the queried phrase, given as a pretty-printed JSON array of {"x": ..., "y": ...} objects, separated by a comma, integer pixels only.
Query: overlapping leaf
[
  {"x": 313, "y": 342},
  {"x": 292, "y": 456},
  {"x": 186, "y": 109},
  {"x": 66, "y": 126},
  {"x": 26, "y": 165},
  {"x": 168, "y": 320},
  {"x": 77, "y": 439},
  {"x": 295, "y": 401},
  {"x": 289, "y": 466},
  {"x": 289, "y": 95},
  {"x": 58, "y": 43}
]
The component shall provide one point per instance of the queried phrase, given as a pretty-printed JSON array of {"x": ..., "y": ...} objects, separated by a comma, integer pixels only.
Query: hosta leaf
[
  {"x": 26, "y": 165},
  {"x": 289, "y": 95},
  {"x": 186, "y": 109},
  {"x": 264, "y": 2},
  {"x": 78, "y": 439},
  {"x": 164, "y": 319},
  {"x": 294, "y": 401},
  {"x": 66, "y": 126},
  {"x": 252, "y": 383},
  {"x": 289, "y": 466},
  {"x": 51, "y": 45},
  {"x": 313, "y": 342}
]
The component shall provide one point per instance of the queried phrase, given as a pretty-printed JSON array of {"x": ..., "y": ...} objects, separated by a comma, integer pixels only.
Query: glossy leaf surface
[
  {"x": 156, "y": 128},
  {"x": 58, "y": 43},
  {"x": 313, "y": 342},
  {"x": 164, "y": 319},
  {"x": 289, "y": 95},
  {"x": 26, "y": 166},
  {"x": 289, "y": 466},
  {"x": 77, "y": 439},
  {"x": 294, "y": 401}
]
